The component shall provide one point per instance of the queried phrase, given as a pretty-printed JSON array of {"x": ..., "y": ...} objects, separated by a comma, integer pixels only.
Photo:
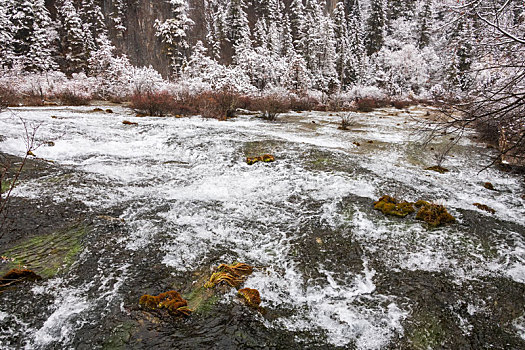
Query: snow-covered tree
[
  {"x": 375, "y": 28},
  {"x": 118, "y": 16},
  {"x": 6, "y": 35},
  {"x": 93, "y": 18},
  {"x": 34, "y": 35},
  {"x": 344, "y": 62},
  {"x": 73, "y": 40},
  {"x": 287, "y": 47},
  {"x": 237, "y": 28},
  {"x": 260, "y": 34},
  {"x": 355, "y": 39},
  {"x": 297, "y": 76},
  {"x": 425, "y": 24},
  {"x": 461, "y": 59},
  {"x": 172, "y": 33},
  {"x": 297, "y": 23}
]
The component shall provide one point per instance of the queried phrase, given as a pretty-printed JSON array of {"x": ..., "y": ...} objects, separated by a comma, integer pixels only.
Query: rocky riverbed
[{"x": 108, "y": 212}]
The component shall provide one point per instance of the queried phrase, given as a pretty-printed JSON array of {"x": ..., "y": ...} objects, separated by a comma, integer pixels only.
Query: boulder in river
[
  {"x": 434, "y": 214},
  {"x": 484, "y": 207},
  {"x": 438, "y": 169},
  {"x": 391, "y": 206},
  {"x": 266, "y": 158},
  {"x": 171, "y": 301},
  {"x": 251, "y": 297}
]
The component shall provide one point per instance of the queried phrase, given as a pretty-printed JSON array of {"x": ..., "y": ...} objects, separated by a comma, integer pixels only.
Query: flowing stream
[{"x": 171, "y": 198}]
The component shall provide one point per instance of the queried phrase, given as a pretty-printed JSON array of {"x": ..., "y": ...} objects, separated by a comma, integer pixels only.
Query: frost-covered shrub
[
  {"x": 72, "y": 98},
  {"x": 146, "y": 79},
  {"x": 159, "y": 104},
  {"x": 403, "y": 71},
  {"x": 217, "y": 104},
  {"x": 270, "y": 106}
]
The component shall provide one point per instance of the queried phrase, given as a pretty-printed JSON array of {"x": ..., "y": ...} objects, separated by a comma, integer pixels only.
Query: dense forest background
[{"x": 401, "y": 47}]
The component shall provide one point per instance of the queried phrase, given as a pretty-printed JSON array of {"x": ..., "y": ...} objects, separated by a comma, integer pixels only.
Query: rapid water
[{"x": 331, "y": 271}]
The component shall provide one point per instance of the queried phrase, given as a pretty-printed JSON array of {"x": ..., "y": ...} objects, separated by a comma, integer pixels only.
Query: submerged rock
[
  {"x": 438, "y": 168},
  {"x": 489, "y": 186},
  {"x": 484, "y": 207},
  {"x": 127, "y": 122},
  {"x": 434, "y": 215},
  {"x": 266, "y": 158},
  {"x": 391, "y": 206},
  {"x": 251, "y": 297},
  {"x": 171, "y": 301}
]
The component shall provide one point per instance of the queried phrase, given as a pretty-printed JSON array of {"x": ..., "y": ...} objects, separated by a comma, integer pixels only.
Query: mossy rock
[
  {"x": 426, "y": 333},
  {"x": 484, "y": 207},
  {"x": 265, "y": 158},
  {"x": 47, "y": 254},
  {"x": 391, "y": 206},
  {"x": 207, "y": 290},
  {"x": 438, "y": 169},
  {"x": 171, "y": 302},
  {"x": 434, "y": 215},
  {"x": 120, "y": 337},
  {"x": 5, "y": 186},
  {"x": 256, "y": 148}
]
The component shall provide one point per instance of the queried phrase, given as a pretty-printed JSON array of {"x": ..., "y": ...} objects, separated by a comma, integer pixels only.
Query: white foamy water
[{"x": 191, "y": 173}]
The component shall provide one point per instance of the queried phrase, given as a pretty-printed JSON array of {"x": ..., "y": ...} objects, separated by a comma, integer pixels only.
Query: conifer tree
[
  {"x": 73, "y": 40},
  {"x": 274, "y": 38},
  {"x": 355, "y": 39},
  {"x": 260, "y": 35},
  {"x": 375, "y": 26},
  {"x": 172, "y": 33},
  {"x": 92, "y": 17},
  {"x": 297, "y": 23},
  {"x": 6, "y": 35},
  {"x": 424, "y": 25},
  {"x": 462, "y": 55},
  {"x": 287, "y": 48},
  {"x": 237, "y": 28},
  {"x": 33, "y": 35},
  {"x": 342, "y": 49}
]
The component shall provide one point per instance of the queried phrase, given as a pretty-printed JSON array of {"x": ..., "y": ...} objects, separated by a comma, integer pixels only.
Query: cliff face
[{"x": 138, "y": 40}]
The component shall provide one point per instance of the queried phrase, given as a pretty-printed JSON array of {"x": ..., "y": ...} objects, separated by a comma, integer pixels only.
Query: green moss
[
  {"x": 120, "y": 337},
  {"x": 47, "y": 254},
  {"x": 5, "y": 186},
  {"x": 428, "y": 333}
]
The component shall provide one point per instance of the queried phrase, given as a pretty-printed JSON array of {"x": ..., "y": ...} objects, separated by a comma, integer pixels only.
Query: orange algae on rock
[
  {"x": 233, "y": 275},
  {"x": 484, "y": 207},
  {"x": 434, "y": 215},
  {"x": 391, "y": 206},
  {"x": 171, "y": 301},
  {"x": 266, "y": 158},
  {"x": 223, "y": 278},
  {"x": 251, "y": 297},
  {"x": 18, "y": 275},
  {"x": 236, "y": 269}
]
